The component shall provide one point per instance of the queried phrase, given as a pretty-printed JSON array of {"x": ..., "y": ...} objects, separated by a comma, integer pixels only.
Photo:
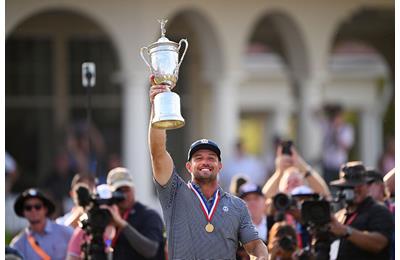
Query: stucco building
[{"x": 271, "y": 63}]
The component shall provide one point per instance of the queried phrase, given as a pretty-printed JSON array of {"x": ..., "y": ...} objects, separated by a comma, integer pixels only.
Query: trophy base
[
  {"x": 168, "y": 124},
  {"x": 167, "y": 113}
]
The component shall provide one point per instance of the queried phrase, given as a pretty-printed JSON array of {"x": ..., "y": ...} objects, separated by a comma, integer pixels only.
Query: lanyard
[
  {"x": 125, "y": 217},
  {"x": 351, "y": 218},
  {"x": 35, "y": 246},
  {"x": 207, "y": 213},
  {"x": 292, "y": 221}
]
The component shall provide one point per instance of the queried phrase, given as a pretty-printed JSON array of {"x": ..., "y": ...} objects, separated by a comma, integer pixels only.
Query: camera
[
  {"x": 96, "y": 219},
  {"x": 316, "y": 213},
  {"x": 286, "y": 147},
  {"x": 282, "y": 202},
  {"x": 346, "y": 195},
  {"x": 287, "y": 243}
]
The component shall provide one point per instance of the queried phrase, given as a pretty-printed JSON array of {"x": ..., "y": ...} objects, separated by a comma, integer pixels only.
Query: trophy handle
[
  {"x": 144, "y": 59},
  {"x": 184, "y": 52}
]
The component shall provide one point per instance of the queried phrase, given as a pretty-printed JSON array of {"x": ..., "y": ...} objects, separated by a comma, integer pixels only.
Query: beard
[{"x": 201, "y": 178}]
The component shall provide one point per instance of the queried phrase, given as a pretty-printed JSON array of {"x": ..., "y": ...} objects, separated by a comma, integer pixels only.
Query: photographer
[
  {"x": 71, "y": 218},
  {"x": 292, "y": 176},
  {"x": 282, "y": 243},
  {"x": 291, "y": 171},
  {"x": 364, "y": 226},
  {"x": 139, "y": 232},
  {"x": 309, "y": 215},
  {"x": 288, "y": 208},
  {"x": 379, "y": 192}
]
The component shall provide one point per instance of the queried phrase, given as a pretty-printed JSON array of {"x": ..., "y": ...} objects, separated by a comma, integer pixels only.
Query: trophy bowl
[{"x": 164, "y": 65}]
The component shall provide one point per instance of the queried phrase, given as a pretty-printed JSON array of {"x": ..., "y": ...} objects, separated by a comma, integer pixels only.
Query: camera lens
[
  {"x": 281, "y": 201},
  {"x": 286, "y": 243}
]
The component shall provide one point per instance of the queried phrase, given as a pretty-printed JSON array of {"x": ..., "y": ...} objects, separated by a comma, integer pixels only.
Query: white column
[
  {"x": 135, "y": 124},
  {"x": 225, "y": 113},
  {"x": 370, "y": 136},
  {"x": 310, "y": 132},
  {"x": 280, "y": 121}
]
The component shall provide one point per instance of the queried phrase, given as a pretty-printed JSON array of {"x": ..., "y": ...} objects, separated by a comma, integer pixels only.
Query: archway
[
  {"x": 362, "y": 71},
  {"x": 44, "y": 95},
  {"x": 275, "y": 62}
]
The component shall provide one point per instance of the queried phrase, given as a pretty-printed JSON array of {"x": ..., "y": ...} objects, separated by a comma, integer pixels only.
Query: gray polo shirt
[{"x": 185, "y": 221}]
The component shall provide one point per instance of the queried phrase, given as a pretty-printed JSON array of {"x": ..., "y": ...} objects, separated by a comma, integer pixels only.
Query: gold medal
[
  {"x": 209, "y": 227},
  {"x": 207, "y": 212}
]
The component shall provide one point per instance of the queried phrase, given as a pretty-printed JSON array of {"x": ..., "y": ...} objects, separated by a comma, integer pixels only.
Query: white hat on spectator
[{"x": 302, "y": 190}]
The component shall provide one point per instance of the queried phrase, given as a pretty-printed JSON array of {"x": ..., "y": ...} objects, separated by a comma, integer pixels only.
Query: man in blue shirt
[{"x": 42, "y": 239}]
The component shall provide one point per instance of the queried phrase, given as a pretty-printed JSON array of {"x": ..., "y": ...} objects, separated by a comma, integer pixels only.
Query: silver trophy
[{"x": 164, "y": 65}]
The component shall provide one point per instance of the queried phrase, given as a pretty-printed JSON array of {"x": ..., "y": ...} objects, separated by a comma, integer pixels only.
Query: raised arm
[
  {"x": 317, "y": 183},
  {"x": 282, "y": 162},
  {"x": 390, "y": 181},
  {"x": 313, "y": 178},
  {"x": 160, "y": 159}
]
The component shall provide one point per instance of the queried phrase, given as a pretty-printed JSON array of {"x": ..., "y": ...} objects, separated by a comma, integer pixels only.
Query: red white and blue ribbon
[{"x": 208, "y": 213}]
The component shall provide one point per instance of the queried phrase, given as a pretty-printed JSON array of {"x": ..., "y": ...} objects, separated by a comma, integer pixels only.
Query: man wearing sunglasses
[
  {"x": 139, "y": 230},
  {"x": 364, "y": 226},
  {"x": 42, "y": 239}
]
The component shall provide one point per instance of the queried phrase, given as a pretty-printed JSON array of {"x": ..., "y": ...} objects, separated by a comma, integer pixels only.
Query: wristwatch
[
  {"x": 349, "y": 231},
  {"x": 307, "y": 174}
]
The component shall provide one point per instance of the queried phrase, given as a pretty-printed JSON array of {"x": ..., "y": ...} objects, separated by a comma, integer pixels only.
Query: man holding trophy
[{"x": 203, "y": 221}]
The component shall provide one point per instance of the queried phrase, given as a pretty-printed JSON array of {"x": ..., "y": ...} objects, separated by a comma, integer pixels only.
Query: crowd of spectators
[{"x": 360, "y": 199}]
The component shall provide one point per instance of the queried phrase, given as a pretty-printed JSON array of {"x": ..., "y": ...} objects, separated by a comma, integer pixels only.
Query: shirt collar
[
  {"x": 197, "y": 187},
  {"x": 48, "y": 228},
  {"x": 262, "y": 223},
  {"x": 365, "y": 203}
]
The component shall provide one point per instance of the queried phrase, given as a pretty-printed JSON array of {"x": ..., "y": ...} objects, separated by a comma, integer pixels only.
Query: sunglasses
[{"x": 35, "y": 206}]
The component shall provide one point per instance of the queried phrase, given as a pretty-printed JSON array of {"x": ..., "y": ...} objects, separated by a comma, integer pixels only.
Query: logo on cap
[
  {"x": 204, "y": 141},
  {"x": 32, "y": 192}
]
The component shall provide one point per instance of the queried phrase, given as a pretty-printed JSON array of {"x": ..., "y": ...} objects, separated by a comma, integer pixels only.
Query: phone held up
[{"x": 287, "y": 147}]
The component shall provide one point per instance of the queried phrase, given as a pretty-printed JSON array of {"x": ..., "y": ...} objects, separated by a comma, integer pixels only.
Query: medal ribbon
[{"x": 208, "y": 213}]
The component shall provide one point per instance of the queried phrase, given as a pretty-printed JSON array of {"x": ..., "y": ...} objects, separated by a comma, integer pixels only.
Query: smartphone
[{"x": 286, "y": 147}]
